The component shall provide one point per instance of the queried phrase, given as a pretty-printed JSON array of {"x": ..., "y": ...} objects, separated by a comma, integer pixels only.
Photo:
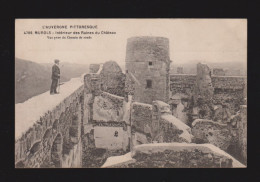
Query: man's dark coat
[
  {"x": 55, "y": 72},
  {"x": 55, "y": 76}
]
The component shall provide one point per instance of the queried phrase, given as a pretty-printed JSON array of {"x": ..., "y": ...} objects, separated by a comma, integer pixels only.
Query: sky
[{"x": 191, "y": 40}]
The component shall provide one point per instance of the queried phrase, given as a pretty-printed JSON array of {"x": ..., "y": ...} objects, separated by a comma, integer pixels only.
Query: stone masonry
[
  {"x": 147, "y": 68},
  {"x": 144, "y": 117}
]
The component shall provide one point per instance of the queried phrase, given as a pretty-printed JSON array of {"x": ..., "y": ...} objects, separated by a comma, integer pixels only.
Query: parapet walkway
[{"x": 30, "y": 111}]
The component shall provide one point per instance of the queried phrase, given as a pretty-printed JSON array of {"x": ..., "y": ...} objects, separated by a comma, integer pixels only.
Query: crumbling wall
[
  {"x": 203, "y": 88},
  {"x": 228, "y": 96},
  {"x": 108, "y": 107},
  {"x": 141, "y": 123},
  {"x": 174, "y": 155},
  {"x": 201, "y": 101},
  {"x": 181, "y": 100},
  {"x": 154, "y": 123},
  {"x": 182, "y": 84},
  {"x": 107, "y": 124},
  {"x": 54, "y": 139},
  {"x": 242, "y": 134},
  {"x": 167, "y": 128},
  {"x": 207, "y": 131},
  {"x": 207, "y": 97},
  {"x": 226, "y": 103},
  {"x": 112, "y": 79},
  {"x": 230, "y": 137},
  {"x": 172, "y": 130},
  {"x": 229, "y": 82},
  {"x": 93, "y": 157}
]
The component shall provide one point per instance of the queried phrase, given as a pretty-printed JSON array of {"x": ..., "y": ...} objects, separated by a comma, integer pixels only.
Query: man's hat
[{"x": 56, "y": 61}]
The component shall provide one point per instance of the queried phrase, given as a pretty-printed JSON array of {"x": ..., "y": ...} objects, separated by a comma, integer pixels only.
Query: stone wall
[
  {"x": 141, "y": 123},
  {"x": 182, "y": 83},
  {"x": 167, "y": 128},
  {"x": 147, "y": 68},
  {"x": 54, "y": 139},
  {"x": 112, "y": 79},
  {"x": 207, "y": 131},
  {"x": 174, "y": 155},
  {"x": 228, "y": 82},
  {"x": 204, "y": 90},
  {"x": 106, "y": 121},
  {"x": 242, "y": 134},
  {"x": 154, "y": 123},
  {"x": 229, "y": 93},
  {"x": 108, "y": 107},
  {"x": 230, "y": 137}
]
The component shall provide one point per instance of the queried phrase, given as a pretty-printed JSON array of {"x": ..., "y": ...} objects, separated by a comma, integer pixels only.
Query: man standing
[{"x": 55, "y": 77}]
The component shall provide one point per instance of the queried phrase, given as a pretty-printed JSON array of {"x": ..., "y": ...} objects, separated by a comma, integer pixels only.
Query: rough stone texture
[
  {"x": 229, "y": 93},
  {"x": 147, "y": 60},
  {"x": 108, "y": 107},
  {"x": 207, "y": 131},
  {"x": 141, "y": 117},
  {"x": 93, "y": 157},
  {"x": 102, "y": 120},
  {"x": 154, "y": 123},
  {"x": 230, "y": 137},
  {"x": 54, "y": 141},
  {"x": 112, "y": 79},
  {"x": 227, "y": 104},
  {"x": 200, "y": 101},
  {"x": 182, "y": 84},
  {"x": 167, "y": 128},
  {"x": 203, "y": 89},
  {"x": 185, "y": 83},
  {"x": 107, "y": 117},
  {"x": 141, "y": 123},
  {"x": 176, "y": 155},
  {"x": 229, "y": 82},
  {"x": 92, "y": 84},
  {"x": 171, "y": 131},
  {"x": 242, "y": 134}
]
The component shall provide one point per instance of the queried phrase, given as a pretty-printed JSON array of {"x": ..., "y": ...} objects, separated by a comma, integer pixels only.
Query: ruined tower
[
  {"x": 147, "y": 68},
  {"x": 203, "y": 89}
]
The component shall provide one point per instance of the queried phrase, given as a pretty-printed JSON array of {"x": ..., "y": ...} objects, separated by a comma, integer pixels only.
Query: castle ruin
[{"x": 143, "y": 118}]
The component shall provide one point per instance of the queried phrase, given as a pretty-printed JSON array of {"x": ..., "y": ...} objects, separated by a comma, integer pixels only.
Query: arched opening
[
  {"x": 56, "y": 151},
  {"x": 35, "y": 148},
  {"x": 55, "y": 125},
  {"x": 46, "y": 137},
  {"x": 74, "y": 129}
]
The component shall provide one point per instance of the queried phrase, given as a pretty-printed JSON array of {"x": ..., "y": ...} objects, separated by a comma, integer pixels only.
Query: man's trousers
[{"x": 54, "y": 85}]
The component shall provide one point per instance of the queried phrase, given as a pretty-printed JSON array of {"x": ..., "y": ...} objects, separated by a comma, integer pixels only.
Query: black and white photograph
[{"x": 131, "y": 93}]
